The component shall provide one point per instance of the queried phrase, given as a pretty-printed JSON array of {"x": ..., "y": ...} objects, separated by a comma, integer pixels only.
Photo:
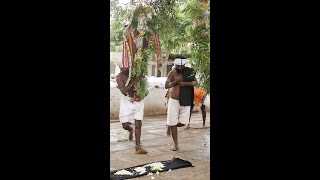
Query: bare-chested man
[
  {"x": 131, "y": 107},
  {"x": 181, "y": 83}
]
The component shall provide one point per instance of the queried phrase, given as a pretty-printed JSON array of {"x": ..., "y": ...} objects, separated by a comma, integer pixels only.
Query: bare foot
[
  {"x": 131, "y": 135},
  {"x": 204, "y": 126},
  {"x": 141, "y": 151},
  {"x": 174, "y": 148}
]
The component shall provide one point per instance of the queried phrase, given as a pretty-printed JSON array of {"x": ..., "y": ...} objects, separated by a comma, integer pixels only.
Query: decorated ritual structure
[{"x": 138, "y": 35}]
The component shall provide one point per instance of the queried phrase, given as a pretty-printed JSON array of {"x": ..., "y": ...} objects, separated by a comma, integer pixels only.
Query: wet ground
[{"x": 194, "y": 146}]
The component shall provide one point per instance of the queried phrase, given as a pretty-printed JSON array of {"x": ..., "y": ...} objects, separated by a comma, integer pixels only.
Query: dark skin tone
[
  {"x": 174, "y": 82},
  {"x": 129, "y": 90},
  {"x": 204, "y": 115}
]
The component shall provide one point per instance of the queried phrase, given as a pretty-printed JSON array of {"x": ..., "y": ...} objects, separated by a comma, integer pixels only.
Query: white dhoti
[
  {"x": 177, "y": 113},
  {"x": 130, "y": 110}
]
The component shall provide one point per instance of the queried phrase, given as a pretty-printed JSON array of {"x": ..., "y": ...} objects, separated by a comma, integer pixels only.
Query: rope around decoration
[
  {"x": 129, "y": 54},
  {"x": 130, "y": 65}
]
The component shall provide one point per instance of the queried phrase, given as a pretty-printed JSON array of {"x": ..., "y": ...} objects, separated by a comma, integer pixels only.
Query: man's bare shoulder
[
  {"x": 172, "y": 72},
  {"x": 120, "y": 78},
  {"x": 120, "y": 75}
]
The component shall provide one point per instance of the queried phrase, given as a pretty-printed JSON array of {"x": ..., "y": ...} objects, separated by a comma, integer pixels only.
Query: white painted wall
[{"x": 154, "y": 104}]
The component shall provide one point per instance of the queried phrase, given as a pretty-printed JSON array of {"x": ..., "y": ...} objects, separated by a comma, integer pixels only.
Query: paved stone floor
[{"x": 194, "y": 146}]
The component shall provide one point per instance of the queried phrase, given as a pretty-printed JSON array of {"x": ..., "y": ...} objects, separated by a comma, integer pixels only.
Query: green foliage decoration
[
  {"x": 142, "y": 88},
  {"x": 142, "y": 23}
]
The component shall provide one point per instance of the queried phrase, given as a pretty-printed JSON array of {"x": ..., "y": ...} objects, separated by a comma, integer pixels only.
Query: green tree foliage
[
  {"x": 169, "y": 23},
  {"x": 179, "y": 23},
  {"x": 116, "y": 36},
  {"x": 171, "y": 26},
  {"x": 118, "y": 14},
  {"x": 198, "y": 11}
]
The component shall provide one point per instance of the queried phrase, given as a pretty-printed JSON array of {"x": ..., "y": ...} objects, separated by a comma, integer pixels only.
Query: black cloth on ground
[{"x": 172, "y": 164}]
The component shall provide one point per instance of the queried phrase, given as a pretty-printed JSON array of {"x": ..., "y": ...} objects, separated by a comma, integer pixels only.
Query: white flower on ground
[
  {"x": 140, "y": 170},
  {"x": 157, "y": 166},
  {"x": 123, "y": 172}
]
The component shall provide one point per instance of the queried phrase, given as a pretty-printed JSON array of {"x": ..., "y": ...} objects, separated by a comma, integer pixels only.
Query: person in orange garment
[{"x": 198, "y": 99}]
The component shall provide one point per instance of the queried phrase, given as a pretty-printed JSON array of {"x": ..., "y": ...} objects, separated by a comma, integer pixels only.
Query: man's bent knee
[{"x": 125, "y": 125}]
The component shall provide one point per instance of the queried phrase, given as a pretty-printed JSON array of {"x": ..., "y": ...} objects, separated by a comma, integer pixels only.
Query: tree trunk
[{"x": 165, "y": 59}]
